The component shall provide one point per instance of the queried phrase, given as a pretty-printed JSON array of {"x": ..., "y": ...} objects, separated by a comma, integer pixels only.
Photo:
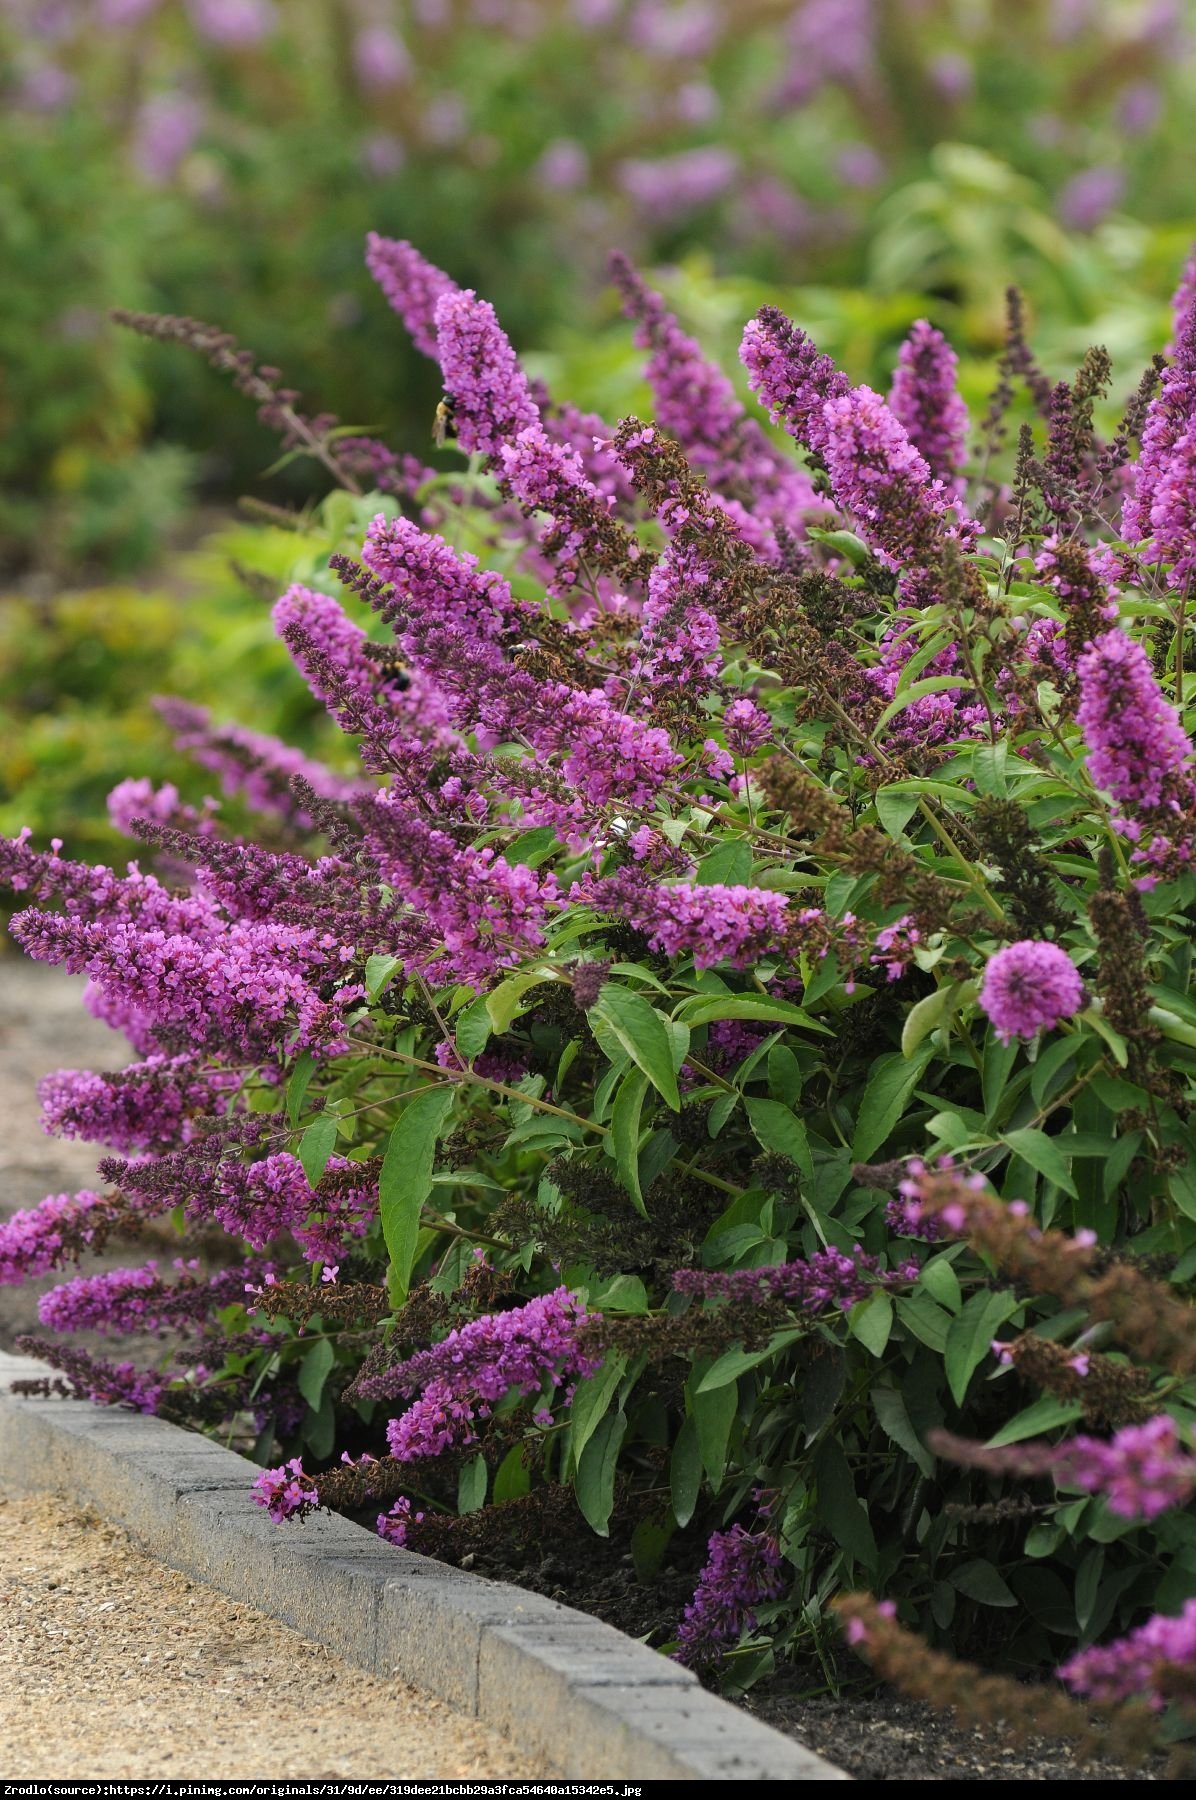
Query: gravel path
[
  {"x": 43, "y": 1027},
  {"x": 113, "y": 1666}
]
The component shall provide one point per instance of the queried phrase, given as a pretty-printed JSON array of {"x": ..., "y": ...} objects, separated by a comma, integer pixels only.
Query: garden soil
[{"x": 876, "y": 1736}]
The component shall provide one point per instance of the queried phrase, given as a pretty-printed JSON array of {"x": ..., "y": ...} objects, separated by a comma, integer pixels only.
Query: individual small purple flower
[
  {"x": 1029, "y": 987},
  {"x": 895, "y": 945}
]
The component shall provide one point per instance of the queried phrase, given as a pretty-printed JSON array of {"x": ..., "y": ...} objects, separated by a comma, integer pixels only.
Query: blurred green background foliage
[{"x": 859, "y": 162}]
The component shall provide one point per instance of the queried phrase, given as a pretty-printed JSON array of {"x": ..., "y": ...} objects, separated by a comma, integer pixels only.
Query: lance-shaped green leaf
[
  {"x": 297, "y": 1086},
  {"x": 641, "y": 1031},
  {"x": 625, "y": 1133},
  {"x": 406, "y": 1180},
  {"x": 315, "y": 1146},
  {"x": 378, "y": 971},
  {"x": 595, "y": 1484},
  {"x": 778, "y": 1128},
  {"x": 704, "y": 1009}
]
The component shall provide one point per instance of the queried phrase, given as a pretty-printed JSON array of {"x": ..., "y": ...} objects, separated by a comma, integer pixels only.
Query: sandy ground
[{"x": 113, "y": 1666}]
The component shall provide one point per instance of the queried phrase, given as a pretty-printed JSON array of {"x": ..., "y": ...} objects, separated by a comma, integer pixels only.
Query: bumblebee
[{"x": 442, "y": 424}]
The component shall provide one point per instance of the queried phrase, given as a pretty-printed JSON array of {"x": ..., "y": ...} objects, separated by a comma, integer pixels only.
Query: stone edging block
[{"x": 560, "y": 1684}]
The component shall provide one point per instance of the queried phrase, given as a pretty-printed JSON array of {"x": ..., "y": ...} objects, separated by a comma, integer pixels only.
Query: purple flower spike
[
  {"x": 1137, "y": 748},
  {"x": 492, "y": 401},
  {"x": 412, "y": 285},
  {"x": 925, "y": 400}
]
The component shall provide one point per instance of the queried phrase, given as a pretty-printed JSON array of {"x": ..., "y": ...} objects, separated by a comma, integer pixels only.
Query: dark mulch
[{"x": 870, "y": 1731}]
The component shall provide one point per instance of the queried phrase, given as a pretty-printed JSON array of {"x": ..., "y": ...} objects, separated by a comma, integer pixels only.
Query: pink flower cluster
[
  {"x": 714, "y": 923},
  {"x": 828, "y": 1280},
  {"x": 1030, "y": 987},
  {"x": 742, "y": 1573},
  {"x": 143, "y": 1300},
  {"x": 1136, "y": 1667},
  {"x": 475, "y": 1366},
  {"x": 286, "y": 1492}
]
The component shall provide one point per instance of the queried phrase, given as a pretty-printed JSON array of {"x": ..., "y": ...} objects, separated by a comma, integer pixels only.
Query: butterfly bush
[{"x": 711, "y": 1028}]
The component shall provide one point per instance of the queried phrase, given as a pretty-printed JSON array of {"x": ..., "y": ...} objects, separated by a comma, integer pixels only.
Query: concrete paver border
[{"x": 563, "y": 1686}]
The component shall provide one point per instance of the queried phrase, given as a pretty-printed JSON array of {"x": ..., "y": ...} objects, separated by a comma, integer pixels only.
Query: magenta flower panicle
[{"x": 1030, "y": 987}]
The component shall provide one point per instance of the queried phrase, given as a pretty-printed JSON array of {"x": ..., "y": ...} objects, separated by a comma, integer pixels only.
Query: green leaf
[
  {"x": 941, "y": 1282},
  {"x": 685, "y": 1473},
  {"x": 988, "y": 767},
  {"x": 595, "y": 1484},
  {"x": 472, "y": 1028},
  {"x": 784, "y": 1075},
  {"x": 980, "y": 1581},
  {"x": 301, "y": 1074},
  {"x": 839, "y": 1506},
  {"x": 734, "y": 1363},
  {"x": 532, "y": 847},
  {"x": 512, "y": 1478},
  {"x": 890, "y": 1409},
  {"x": 1042, "y": 1153},
  {"x": 315, "y": 1146},
  {"x": 843, "y": 543},
  {"x": 713, "y": 1415},
  {"x": 625, "y": 1133},
  {"x": 928, "y": 1014},
  {"x": 1051, "y": 1063},
  {"x": 1114, "y": 1039},
  {"x": 728, "y": 866},
  {"x": 871, "y": 1321},
  {"x": 998, "y": 1063},
  {"x": 378, "y": 971},
  {"x": 622, "y": 1293},
  {"x": 778, "y": 1127},
  {"x": 503, "y": 1002},
  {"x": 591, "y": 1402},
  {"x": 890, "y": 1084},
  {"x": 928, "y": 1322},
  {"x": 643, "y": 1034},
  {"x": 406, "y": 1180},
  {"x": 970, "y": 1336},
  {"x": 895, "y": 810},
  {"x": 314, "y": 1371},
  {"x": 822, "y": 1381},
  {"x": 704, "y": 1010},
  {"x": 471, "y": 1485},
  {"x": 1046, "y": 1414}
]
